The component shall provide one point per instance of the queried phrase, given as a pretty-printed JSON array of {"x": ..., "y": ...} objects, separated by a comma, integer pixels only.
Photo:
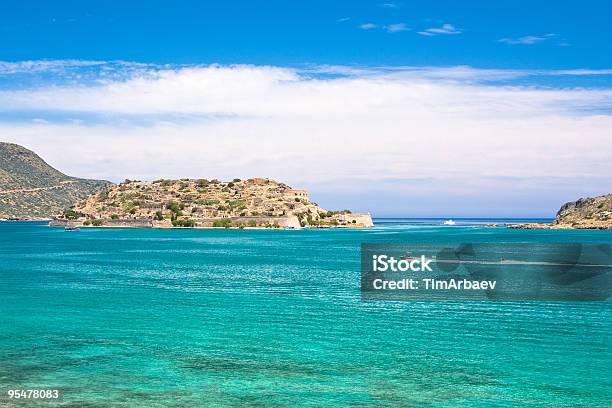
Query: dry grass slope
[{"x": 30, "y": 188}]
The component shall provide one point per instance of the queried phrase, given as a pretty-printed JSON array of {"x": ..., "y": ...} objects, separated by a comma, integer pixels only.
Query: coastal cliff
[
  {"x": 585, "y": 213},
  {"x": 31, "y": 189},
  {"x": 252, "y": 203}
]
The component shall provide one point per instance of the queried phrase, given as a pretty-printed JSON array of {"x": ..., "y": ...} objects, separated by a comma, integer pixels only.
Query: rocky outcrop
[
  {"x": 593, "y": 212},
  {"x": 585, "y": 213}
]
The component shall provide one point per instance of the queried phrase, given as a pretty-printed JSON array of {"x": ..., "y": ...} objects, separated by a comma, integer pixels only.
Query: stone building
[{"x": 296, "y": 193}]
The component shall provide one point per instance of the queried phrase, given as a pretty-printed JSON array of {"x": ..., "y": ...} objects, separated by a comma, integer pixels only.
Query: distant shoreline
[{"x": 524, "y": 224}]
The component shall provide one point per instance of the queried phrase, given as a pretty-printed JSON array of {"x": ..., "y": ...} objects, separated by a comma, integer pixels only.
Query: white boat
[{"x": 449, "y": 222}]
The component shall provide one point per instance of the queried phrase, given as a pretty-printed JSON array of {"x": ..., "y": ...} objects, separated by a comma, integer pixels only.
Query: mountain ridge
[{"x": 32, "y": 189}]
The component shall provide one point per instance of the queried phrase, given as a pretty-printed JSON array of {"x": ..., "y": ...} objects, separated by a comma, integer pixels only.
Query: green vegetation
[
  {"x": 71, "y": 214},
  {"x": 190, "y": 223},
  {"x": 224, "y": 223},
  {"x": 252, "y": 223},
  {"x": 174, "y": 207},
  {"x": 129, "y": 206},
  {"x": 163, "y": 182},
  {"x": 236, "y": 204},
  {"x": 159, "y": 216},
  {"x": 207, "y": 202},
  {"x": 328, "y": 214},
  {"x": 114, "y": 216},
  {"x": 96, "y": 223}
]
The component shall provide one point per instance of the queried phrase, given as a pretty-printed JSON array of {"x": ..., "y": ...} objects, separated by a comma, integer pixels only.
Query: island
[
  {"x": 585, "y": 213},
  {"x": 203, "y": 203}
]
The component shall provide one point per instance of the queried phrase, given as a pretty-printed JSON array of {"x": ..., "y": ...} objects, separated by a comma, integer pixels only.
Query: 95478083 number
[{"x": 35, "y": 393}]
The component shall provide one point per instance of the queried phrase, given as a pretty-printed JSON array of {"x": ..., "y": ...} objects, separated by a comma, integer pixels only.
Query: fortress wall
[
  {"x": 283, "y": 222},
  {"x": 128, "y": 223},
  {"x": 134, "y": 223},
  {"x": 361, "y": 220}
]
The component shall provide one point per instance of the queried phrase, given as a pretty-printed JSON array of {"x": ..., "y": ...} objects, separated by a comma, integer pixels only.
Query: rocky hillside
[
  {"x": 208, "y": 203},
  {"x": 592, "y": 212},
  {"x": 585, "y": 213},
  {"x": 30, "y": 188}
]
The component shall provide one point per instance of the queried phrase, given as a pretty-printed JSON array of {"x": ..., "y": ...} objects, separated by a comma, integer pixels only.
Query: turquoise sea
[{"x": 267, "y": 318}]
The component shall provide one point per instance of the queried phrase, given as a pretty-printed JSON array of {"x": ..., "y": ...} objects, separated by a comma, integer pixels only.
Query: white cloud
[
  {"x": 368, "y": 26},
  {"x": 577, "y": 72},
  {"x": 527, "y": 40},
  {"x": 8, "y": 68},
  {"x": 351, "y": 128},
  {"x": 396, "y": 28},
  {"x": 343, "y": 19},
  {"x": 446, "y": 29}
]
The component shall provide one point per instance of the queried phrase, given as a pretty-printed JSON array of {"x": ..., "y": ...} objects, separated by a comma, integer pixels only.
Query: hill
[
  {"x": 584, "y": 213},
  {"x": 591, "y": 212},
  {"x": 30, "y": 188},
  {"x": 238, "y": 203}
]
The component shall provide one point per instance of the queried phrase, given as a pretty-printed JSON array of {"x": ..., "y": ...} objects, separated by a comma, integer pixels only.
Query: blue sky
[
  {"x": 413, "y": 108},
  {"x": 322, "y": 32}
]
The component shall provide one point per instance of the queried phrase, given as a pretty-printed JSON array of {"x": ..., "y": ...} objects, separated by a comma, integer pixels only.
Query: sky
[{"x": 399, "y": 108}]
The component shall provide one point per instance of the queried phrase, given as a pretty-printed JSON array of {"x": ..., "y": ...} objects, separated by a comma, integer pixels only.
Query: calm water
[{"x": 189, "y": 318}]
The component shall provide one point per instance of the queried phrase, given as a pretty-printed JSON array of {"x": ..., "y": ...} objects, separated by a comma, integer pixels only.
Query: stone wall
[
  {"x": 130, "y": 223},
  {"x": 356, "y": 220},
  {"x": 126, "y": 223},
  {"x": 290, "y": 221},
  {"x": 296, "y": 193}
]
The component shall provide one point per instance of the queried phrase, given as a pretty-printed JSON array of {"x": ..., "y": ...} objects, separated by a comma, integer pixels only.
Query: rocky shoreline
[
  {"x": 586, "y": 226},
  {"x": 26, "y": 219},
  {"x": 591, "y": 213}
]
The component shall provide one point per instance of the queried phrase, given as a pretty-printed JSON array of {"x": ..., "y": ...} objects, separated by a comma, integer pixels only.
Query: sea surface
[{"x": 274, "y": 318}]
